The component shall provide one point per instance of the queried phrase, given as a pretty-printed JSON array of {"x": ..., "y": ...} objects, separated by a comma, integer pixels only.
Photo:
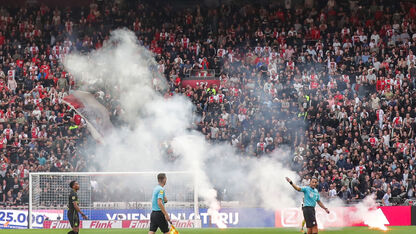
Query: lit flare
[{"x": 216, "y": 216}]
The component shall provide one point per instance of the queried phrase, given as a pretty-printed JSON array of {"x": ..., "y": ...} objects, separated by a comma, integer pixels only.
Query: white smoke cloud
[
  {"x": 152, "y": 120},
  {"x": 365, "y": 212},
  {"x": 368, "y": 213}
]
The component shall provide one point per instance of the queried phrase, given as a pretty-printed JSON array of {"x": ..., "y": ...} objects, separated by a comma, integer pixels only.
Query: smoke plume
[{"x": 126, "y": 69}]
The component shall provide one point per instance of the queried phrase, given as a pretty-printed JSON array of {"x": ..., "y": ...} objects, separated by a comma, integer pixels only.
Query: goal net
[{"x": 111, "y": 199}]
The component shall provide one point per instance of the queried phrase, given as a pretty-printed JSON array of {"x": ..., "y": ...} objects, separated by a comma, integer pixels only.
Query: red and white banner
[
  {"x": 94, "y": 113},
  {"x": 110, "y": 224},
  {"x": 99, "y": 224},
  {"x": 84, "y": 224},
  {"x": 176, "y": 223},
  {"x": 57, "y": 224},
  {"x": 195, "y": 82},
  {"x": 343, "y": 217}
]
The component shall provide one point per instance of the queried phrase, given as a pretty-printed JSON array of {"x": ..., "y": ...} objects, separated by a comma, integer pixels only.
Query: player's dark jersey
[
  {"x": 73, "y": 197},
  {"x": 72, "y": 213}
]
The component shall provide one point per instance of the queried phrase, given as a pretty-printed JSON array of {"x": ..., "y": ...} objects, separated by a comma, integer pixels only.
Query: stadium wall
[
  {"x": 344, "y": 217},
  {"x": 413, "y": 218},
  {"x": 233, "y": 217}
]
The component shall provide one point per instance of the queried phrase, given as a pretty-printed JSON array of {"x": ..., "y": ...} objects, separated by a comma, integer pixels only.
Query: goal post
[{"x": 107, "y": 191}]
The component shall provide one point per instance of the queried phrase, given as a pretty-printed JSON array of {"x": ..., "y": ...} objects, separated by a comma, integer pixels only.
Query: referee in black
[
  {"x": 311, "y": 197},
  {"x": 159, "y": 217},
  {"x": 73, "y": 208}
]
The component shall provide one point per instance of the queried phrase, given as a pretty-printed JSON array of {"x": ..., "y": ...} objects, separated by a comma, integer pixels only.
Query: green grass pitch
[{"x": 355, "y": 230}]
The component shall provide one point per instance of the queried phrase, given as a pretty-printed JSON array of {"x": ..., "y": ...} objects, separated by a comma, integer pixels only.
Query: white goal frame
[{"x": 32, "y": 174}]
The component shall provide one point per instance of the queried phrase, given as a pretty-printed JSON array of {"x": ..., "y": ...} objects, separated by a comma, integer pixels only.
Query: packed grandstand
[{"x": 332, "y": 80}]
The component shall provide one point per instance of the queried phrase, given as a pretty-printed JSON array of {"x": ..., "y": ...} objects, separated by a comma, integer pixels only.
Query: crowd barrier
[
  {"x": 346, "y": 217},
  {"x": 184, "y": 218}
]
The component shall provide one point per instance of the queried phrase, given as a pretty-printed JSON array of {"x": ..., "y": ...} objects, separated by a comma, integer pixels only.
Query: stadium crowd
[{"x": 332, "y": 80}]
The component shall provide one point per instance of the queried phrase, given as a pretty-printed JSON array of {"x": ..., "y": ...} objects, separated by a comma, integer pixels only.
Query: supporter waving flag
[{"x": 95, "y": 114}]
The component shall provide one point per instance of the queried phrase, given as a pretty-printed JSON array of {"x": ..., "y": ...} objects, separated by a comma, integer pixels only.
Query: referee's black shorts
[
  {"x": 157, "y": 220},
  {"x": 73, "y": 218},
  {"x": 309, "y": 216}
]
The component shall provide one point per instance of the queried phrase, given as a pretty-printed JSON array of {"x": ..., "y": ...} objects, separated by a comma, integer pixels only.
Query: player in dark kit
[
  {"x": 310, "y": 199},
  {"x": 159, "y": 218},
  {"x": 73, "y": 208}
]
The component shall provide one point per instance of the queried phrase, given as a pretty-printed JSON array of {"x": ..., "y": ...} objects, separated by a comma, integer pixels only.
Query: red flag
[{"x": 95, "y": 114}]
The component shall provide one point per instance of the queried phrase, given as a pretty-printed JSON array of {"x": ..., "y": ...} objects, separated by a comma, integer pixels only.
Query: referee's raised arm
[{"x": 293, "y": 185}]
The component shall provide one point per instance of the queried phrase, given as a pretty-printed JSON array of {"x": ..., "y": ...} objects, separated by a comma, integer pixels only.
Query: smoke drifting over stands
[{"x": 331, "y": 83}]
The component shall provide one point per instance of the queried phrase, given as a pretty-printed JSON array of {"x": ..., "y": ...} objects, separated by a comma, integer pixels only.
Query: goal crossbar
[
  {"x": 106, "y": 173},
  {"x": 80, "y": 174}
]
